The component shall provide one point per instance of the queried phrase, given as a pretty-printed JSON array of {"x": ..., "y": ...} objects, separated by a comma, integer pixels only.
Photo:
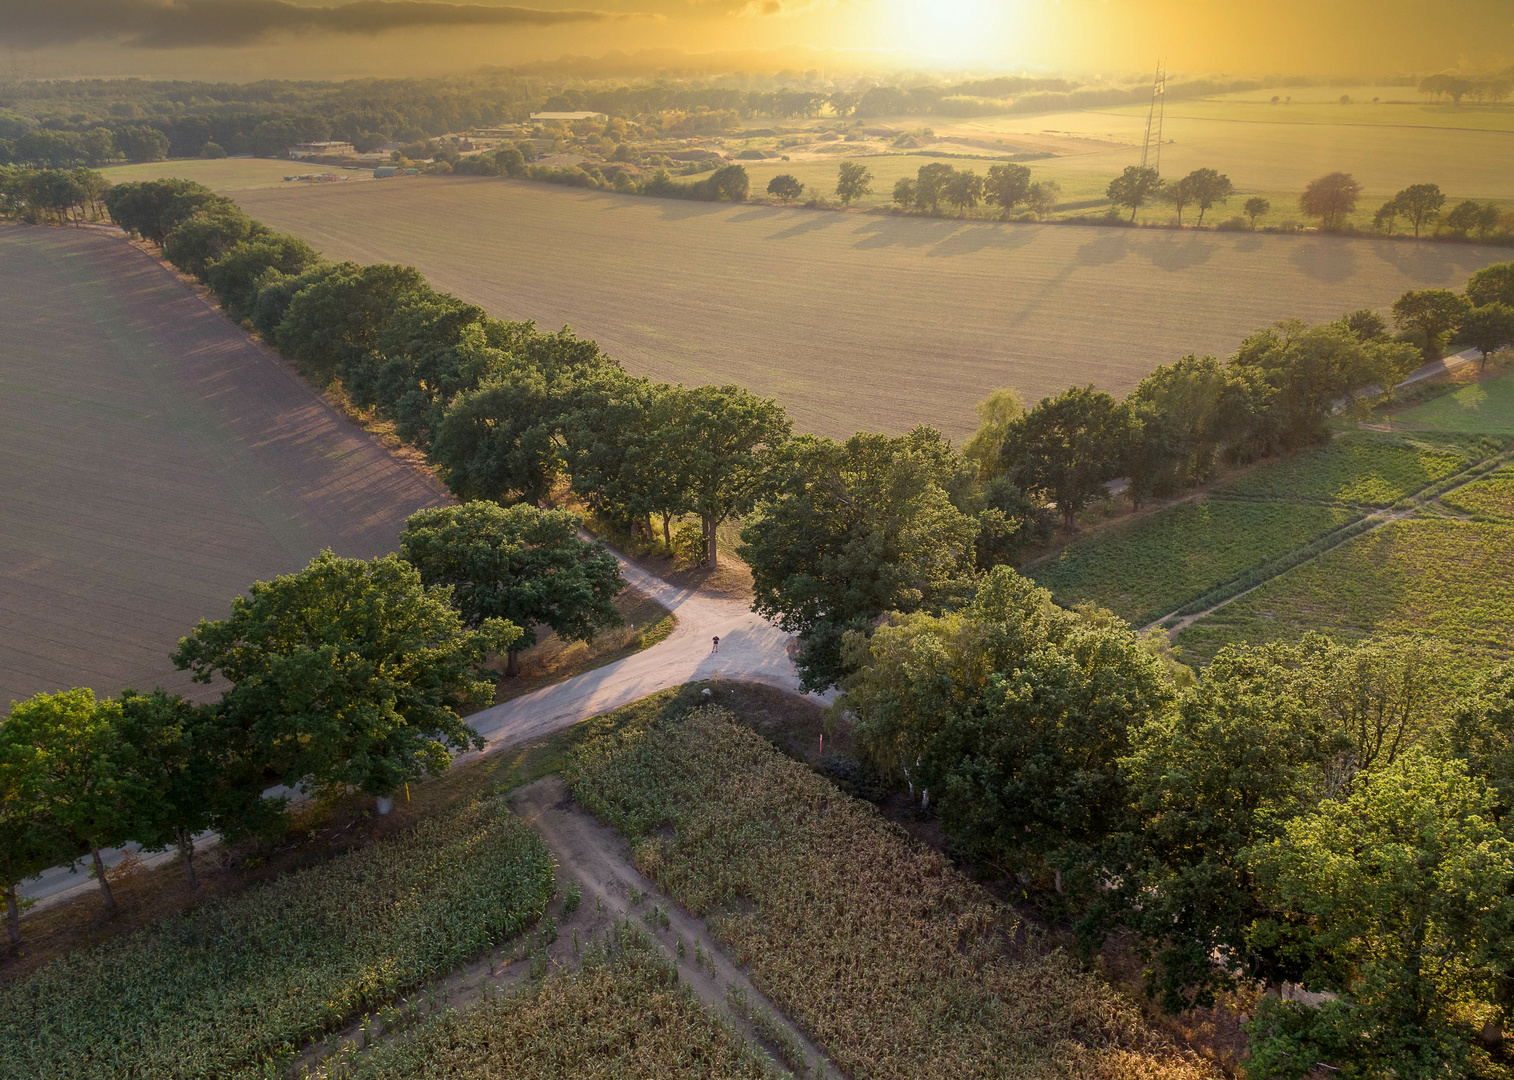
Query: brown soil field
[
  {"x": 853, "y": 320},
  {"x": 156, "y": 462}
]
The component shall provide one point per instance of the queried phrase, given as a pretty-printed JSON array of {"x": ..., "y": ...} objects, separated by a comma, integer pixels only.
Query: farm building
[{"x": 321, "y": 149}]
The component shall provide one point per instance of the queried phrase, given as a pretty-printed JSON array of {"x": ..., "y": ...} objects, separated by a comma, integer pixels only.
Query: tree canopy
[{"x": 521, "y": 564}]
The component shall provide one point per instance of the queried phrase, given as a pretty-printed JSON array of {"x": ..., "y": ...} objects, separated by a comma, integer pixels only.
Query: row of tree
[
  {"x": 836, "y": 534},
  {"x": 1318, "y": 813},
  {"x": 348, "y": 675},
  {"x": 57, "y": 196},
  {"x": 1006, "y": 186},
  {"x": 1420, "y": 206}
]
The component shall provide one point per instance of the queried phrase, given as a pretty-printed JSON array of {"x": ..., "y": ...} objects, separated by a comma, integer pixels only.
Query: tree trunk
[
  {"x": 110, "y": 900},
  {"x": 12, "y": 913},
  {"x": 1070, "y": 519},
  {"x": 512, "y": 663},
  {"x": 709, "y": 536},
  {"x": 667, "y": 536},
  {"x": 186, "y": 845}
]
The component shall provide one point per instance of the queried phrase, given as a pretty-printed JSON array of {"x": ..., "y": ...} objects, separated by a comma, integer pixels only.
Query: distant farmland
[
  {"x": 156, "y": 463},
  {"x": 852, "y": 320}
]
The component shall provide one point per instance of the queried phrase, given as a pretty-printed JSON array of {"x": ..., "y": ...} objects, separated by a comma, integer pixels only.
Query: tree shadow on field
[
  {"x": 1172, "y": 254},
  {"x": 761, "y": 213},
  {"x": 814, "y": 221},
  {"x": 1331, "y": 260},
  {"x": 1108, "y": 249},
  {"x": 1434, "y": 263},
  {"x": 1248, "y": 243},
  {"x": 980, "y": 237},
  {"x": 905, "y": 232},
  {"x": 685, "y": 209}
]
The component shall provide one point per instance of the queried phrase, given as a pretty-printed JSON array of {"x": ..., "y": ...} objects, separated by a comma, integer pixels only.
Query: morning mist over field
[{"x": 261, "y": 38}]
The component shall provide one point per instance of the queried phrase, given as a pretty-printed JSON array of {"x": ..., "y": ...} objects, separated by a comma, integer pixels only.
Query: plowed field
[
  {"x": 852, "y": 320},
  {"x": 155, "y": 463}
]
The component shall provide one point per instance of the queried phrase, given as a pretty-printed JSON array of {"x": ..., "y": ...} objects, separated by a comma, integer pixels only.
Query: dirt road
[
  {"x": 599, "y": 859},
  {"x": 751, "y": 649}
]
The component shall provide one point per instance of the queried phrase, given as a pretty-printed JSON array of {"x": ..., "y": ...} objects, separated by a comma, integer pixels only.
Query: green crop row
[
  {"x": 894, "y": 963},
  {"x": 1492, "y": 497},
  {"x": 1363, "y": 469},
  {"x": 622, "y": 1014},
  {"x": 233, "y": 988},
  {"x": 1154, "y": 565},
  {"x": 1443, "y": 578}
]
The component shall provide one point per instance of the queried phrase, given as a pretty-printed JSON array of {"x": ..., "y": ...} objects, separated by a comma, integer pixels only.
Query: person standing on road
[{"x": 716, "y": 647}]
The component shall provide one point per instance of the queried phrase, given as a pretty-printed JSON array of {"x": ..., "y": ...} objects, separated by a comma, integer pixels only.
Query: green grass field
[
  {"x": 1433, "y": 576},
  {"x": 232, "y": 174},
  {"x": 1491, "y": 497},
  {"x": 1154, "y": 565},
  {"x": 852, "y": 320},
  {"x": 1480, "y": 408},
  {"x": 1362, "y": 469}
]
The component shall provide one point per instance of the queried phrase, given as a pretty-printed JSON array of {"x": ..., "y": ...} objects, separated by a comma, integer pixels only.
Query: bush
[
  {"x": 688, "y": 545},
  {"x": 1235, "y": 224}
]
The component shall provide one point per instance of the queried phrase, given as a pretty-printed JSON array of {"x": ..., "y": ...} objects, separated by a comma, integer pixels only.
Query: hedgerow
[
  {"x": 233, "y": 988},
  {"x": 891, "y": 960},
  {"x": 623, "y": 1014},
  {"x": 1155, "y": 564}
]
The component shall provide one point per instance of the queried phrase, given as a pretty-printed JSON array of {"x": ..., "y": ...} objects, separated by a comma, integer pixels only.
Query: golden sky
[{"x": 337, "y": 38}]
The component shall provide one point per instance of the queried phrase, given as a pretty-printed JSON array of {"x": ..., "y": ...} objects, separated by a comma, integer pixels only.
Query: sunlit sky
[{"x": 252, "y": 38}]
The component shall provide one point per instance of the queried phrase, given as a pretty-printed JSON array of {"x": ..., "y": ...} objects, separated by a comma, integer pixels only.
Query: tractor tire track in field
[{"x": 599, "y": 859}]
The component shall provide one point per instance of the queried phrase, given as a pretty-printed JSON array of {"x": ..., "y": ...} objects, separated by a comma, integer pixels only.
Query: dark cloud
[{"x": 168, "y": 24}]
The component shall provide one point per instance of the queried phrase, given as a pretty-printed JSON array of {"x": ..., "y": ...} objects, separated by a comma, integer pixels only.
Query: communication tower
[{"x": 1151, "y": 151}]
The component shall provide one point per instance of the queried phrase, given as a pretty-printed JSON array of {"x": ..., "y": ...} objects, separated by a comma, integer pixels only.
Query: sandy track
[
  {"x": 751, "y": 650},
  {"x": 599, "y": 859}
]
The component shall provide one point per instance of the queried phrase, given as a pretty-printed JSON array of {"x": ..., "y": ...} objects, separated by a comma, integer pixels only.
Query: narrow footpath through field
[{"x": 598, "y": 858}]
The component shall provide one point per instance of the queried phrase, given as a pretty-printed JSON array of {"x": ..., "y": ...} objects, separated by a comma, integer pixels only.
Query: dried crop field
[
  {"x": 157, "y": 462},
  {"x": 622, "y": 1014},
  {"x": 852, "y": 320},
  {"x": 892, "y": 961}
]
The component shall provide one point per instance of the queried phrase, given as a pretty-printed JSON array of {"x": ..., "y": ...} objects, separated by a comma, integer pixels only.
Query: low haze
[{"x": 262, "y": 38}]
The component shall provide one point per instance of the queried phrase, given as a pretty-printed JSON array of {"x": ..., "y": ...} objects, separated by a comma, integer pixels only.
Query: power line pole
[{"x": 1154, "y": 120}]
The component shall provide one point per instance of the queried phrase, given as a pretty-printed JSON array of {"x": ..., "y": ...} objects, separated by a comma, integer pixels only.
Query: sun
[{"x": 955, "y": 31}]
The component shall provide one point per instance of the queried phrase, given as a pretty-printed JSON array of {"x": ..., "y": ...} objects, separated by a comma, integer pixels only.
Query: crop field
[
  {"x": 1480, "y": 408},
  {"x": 894, "y": 963},
  {"x": 1156, "y": 564},
  {"x": 1434, "y": 576},
  {"x": 622, "y": 1014},
  {"x": 853, "y": 321},
  {"x": 156, "y": 463},
  {"x": 1363, "y": 469},
  {"x": 1491, "y": 497},
  {"x": 231, "y": 175},
  {"x": 234, "y": 987}
]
